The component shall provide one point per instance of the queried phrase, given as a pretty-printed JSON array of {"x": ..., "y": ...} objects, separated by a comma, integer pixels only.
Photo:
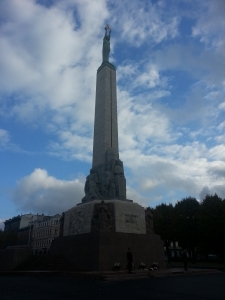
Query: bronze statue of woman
[{"x": 106, "y": 44}]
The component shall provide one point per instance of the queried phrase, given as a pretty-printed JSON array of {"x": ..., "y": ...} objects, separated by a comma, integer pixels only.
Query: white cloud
[
  {"x": 141, "y": 123},
  {"x": 220, "y": 138},
  {"x": 150, "y": 79},
  {"x": 134, "y": 195},
  {"x": 217, "y": 189},
  {"x": 217, "y": 168},
  {"x": 40, "y": 192},
  {"x": 4, "y": 137},
  {"x": 217, "y": 152},
  {"x": 175, "y": 170},
  {"x": 49, "y": 56},
  {"x": 45, "y": 60},
  {"x": 221, "y": 126},
  {"x": 210, "y": 24},
  {"x": 72, "y": 146},
  {"x": 222, "y": 106},
  {"x": 141, "y": 22},
  {"x": 46, "y": 68}
]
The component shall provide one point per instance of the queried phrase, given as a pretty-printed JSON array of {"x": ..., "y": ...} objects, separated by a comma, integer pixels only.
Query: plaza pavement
[{"x": 173, "y": 285}]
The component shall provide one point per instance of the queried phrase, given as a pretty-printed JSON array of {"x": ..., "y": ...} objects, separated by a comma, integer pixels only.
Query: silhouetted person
[
  {"x": 185, "y": 259},
  {"x": 129, "y": 260}
]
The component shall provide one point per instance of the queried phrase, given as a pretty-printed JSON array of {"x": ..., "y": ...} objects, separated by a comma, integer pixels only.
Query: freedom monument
[{"x": 96, "y": 233}]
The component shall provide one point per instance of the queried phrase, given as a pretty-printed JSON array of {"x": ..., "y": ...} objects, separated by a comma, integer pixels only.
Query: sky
[{"x": 170, "y": 61}]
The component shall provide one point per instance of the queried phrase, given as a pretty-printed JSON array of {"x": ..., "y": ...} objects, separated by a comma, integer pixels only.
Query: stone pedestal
[
  {"x": 100, "y": 250},
  {"x": 97, "y": 234},
  {"x": 13, "y": 256},
  {"x": 109, "y": 215}
]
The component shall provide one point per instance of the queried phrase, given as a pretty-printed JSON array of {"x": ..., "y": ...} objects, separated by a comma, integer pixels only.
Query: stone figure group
[{"x": 106, "y": 181}]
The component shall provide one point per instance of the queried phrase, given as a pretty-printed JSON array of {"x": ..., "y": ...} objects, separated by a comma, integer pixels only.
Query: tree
[
  {"x": 186, "y": 218},
  {"x": 2, "y": 239},
  {"x": 212, "y": 225},
  {"x": 163, "y": 220}
]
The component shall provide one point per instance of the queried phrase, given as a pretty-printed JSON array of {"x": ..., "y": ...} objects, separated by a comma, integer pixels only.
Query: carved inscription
[
  {"x": 77, "y": 222},
  {"x": 130, "y": 218},
  {"x": 103, "y": 218}
]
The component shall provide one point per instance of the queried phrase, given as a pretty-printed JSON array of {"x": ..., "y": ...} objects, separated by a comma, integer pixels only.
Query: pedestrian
[
  {"x": 185, "y": 259},
  {"x": 129, "y": 260}
]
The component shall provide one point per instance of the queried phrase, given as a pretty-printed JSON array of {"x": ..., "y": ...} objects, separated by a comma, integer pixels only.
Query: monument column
[
  {"x": 105, "y": 125},
  {"x": 106, "y": 179}
]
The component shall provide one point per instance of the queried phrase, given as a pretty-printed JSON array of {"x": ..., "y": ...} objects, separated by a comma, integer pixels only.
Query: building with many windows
[
  {"x": 22, "y": 225},
  {"x": 44, "y": 232},
  {"x": 21, "y": 221},
  {"x": 175, "y": 249}
]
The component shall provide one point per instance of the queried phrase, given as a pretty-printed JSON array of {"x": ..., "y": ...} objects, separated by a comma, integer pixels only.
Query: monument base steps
[{"x": 99, "y": 251}]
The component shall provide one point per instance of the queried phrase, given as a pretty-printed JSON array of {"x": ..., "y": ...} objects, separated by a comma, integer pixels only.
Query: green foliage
[
  {"x": 163, "y": 220},
  {"x": 194, "y": 225},
  {"x": 186, "y": 218},
  {"x": 212, "y": 225},
  {"x": 2, "y": 239}
]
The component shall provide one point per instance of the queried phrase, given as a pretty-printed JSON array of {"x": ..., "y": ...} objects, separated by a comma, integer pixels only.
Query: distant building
[
  {"x": 175, "y": 250},
  {"x": 44, "y": 232},
  {"x": 24, "y": 234},
  {"x": 35, "y": 230},
  {"x": 12, "y": 224},
  {"x": 21, "y": 221}
]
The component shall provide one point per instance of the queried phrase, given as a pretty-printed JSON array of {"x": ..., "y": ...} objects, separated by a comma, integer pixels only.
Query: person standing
[
  {"x": 185, "y": 259},
  {"x": 129, "y": 260}
]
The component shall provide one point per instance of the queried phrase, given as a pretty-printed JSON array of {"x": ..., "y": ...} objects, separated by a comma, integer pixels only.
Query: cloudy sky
[{"x": 170, "y": 60}]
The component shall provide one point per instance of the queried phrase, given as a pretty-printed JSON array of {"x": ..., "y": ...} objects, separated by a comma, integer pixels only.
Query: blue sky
[{"x": 170, "y": 60}]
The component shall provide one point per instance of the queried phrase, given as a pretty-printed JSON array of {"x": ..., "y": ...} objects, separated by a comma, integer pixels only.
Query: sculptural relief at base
[
  {"x": 103, "y": 218},
  {"x": 106, "y": 181},
  {"x": 77, "y": 221},
  {"x": 108, "y": 215}
]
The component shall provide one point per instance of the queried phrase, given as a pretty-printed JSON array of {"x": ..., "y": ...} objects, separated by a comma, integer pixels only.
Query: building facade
[
  {"x": 44, "y": 232},
  {"x": 24, "y": 235},
  {"x": 21, "y": 221},
  {"x": 37, "y": 230}
]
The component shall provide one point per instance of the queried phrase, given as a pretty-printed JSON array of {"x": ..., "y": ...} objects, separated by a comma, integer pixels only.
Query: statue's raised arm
[{"x": 106, "y": 44}]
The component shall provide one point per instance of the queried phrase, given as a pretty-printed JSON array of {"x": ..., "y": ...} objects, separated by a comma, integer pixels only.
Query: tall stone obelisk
[
  {"x": 96, "y": 233},
  {"x": 106, "y": 179},
  {"x": 105, "y": 126}
]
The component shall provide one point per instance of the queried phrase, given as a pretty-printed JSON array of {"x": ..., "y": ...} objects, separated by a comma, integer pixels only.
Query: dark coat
[{"x": 129, "y": 256}]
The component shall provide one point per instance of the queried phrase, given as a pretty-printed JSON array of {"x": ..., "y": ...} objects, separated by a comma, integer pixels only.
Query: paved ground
[{"x": 191, "y": 287}]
